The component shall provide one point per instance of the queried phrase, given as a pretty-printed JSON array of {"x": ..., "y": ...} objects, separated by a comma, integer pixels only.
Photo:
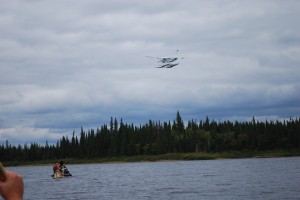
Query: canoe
[
  {"x": 61, "y": 174},
  {"x": 58, "y": 174}
]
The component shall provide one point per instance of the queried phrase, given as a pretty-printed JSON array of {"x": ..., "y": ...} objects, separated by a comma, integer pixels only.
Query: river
[{"x": 263, "y": 178}]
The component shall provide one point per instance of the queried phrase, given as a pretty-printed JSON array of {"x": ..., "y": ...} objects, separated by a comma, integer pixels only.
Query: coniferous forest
[{"x": 155, "y": 137}]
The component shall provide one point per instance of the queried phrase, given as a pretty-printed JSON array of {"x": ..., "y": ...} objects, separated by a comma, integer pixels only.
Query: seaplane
[{"x": 166, "y": 62}]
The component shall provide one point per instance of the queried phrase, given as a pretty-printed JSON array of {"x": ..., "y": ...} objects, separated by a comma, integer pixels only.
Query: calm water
[{"x": 271, "y": 178}]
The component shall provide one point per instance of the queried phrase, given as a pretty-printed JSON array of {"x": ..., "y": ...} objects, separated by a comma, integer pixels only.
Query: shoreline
[{"x": 169, "y": 157}]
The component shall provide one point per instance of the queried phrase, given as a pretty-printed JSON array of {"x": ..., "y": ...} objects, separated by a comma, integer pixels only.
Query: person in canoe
[
  {"x": 63, "y": 169},
  {"x": 56, "y": 172},
  {"x": 55, "y": 167}
]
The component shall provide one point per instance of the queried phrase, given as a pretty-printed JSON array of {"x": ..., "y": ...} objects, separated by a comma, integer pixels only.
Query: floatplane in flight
[{"x": 167, "y": 62}]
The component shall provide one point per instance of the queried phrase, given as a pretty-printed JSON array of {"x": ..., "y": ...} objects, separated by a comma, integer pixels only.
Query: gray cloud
[{"x": 67, "y": 64}]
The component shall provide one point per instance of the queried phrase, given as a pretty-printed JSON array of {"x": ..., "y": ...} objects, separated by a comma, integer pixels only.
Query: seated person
[
  {"x": 55, "y": 167},
  {"x": 64, "y": 169}
]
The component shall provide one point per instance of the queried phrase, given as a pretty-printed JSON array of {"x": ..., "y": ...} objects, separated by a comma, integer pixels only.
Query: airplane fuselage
[{"x": 167, "y": 60}]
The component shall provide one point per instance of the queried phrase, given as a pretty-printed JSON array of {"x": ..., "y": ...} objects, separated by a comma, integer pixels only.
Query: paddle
[{"x": 3, "y": 175}]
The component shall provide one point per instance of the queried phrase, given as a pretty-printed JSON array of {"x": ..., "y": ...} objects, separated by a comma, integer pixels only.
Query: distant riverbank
[{"x": 168, "y": 157}]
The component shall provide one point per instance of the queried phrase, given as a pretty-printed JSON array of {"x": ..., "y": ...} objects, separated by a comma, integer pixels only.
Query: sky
[{"x": 67, "y": 64}]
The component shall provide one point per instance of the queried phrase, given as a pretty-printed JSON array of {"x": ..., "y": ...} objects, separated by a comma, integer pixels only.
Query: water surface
[{"x": 264, "y": 178}]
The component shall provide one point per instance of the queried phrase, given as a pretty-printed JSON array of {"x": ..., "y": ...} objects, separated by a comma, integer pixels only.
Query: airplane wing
[
  {"x": 153, "y": 57},
  {"x": 164, "y": 59}
]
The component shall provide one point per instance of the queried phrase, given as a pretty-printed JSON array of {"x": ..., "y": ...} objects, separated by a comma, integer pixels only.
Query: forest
[{"x": 155, "y": 137}]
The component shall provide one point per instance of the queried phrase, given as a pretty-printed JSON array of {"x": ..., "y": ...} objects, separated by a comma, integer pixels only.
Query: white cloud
[{"x": 20, "y": 135}]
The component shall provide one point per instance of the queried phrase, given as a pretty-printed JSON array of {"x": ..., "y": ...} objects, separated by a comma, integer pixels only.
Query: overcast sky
[{"x": 66, "y": 64}]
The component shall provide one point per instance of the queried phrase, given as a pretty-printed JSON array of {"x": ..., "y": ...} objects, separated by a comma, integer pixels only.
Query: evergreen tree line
[{"x": 154, "y": 137}]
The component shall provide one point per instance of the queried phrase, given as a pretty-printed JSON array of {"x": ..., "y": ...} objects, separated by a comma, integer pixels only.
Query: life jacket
[{"x": 55, "y": 167}]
